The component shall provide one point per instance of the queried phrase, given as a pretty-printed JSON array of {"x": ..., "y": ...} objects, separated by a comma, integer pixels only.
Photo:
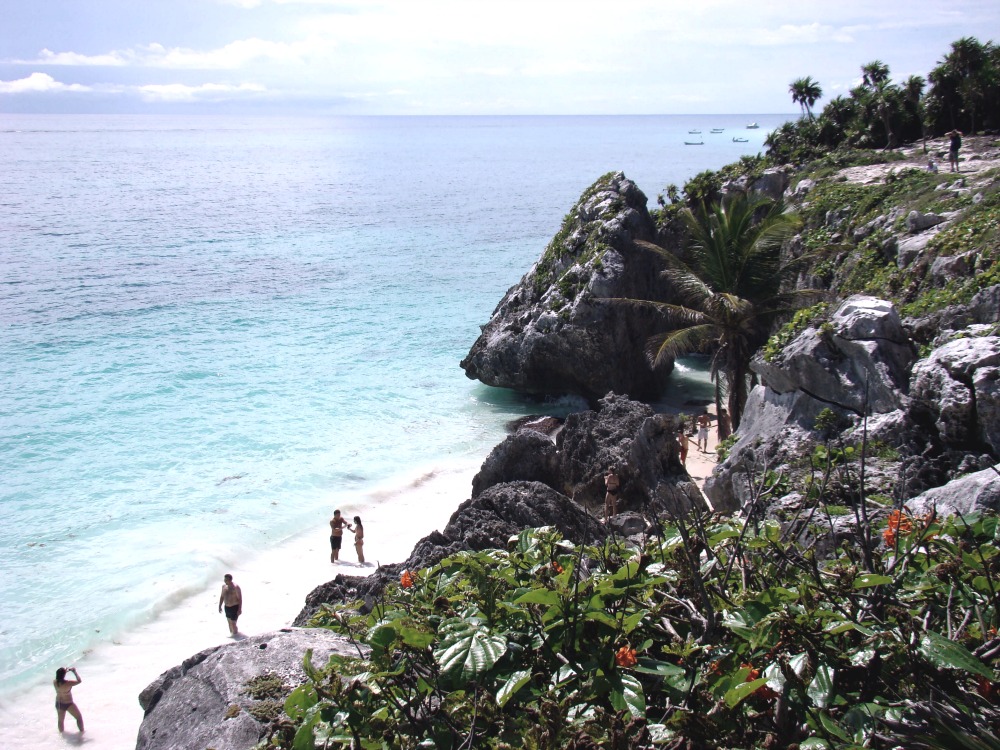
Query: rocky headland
[{"x": 898, "y": 369}]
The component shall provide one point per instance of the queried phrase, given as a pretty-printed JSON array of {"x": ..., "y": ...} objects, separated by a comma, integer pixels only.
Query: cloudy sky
[{"x": 461, "y": 56}]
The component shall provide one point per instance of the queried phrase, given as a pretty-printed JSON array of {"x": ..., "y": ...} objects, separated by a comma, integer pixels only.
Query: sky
[{"x": 461, "y": 57}]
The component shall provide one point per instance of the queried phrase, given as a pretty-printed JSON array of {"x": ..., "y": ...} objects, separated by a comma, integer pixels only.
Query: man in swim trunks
[
  {"x": 337, "y": 524},
  {"x": 232, "y": 598}
]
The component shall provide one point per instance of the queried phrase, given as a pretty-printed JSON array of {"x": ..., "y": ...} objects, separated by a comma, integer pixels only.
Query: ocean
[{"x": 214, "y": 330}]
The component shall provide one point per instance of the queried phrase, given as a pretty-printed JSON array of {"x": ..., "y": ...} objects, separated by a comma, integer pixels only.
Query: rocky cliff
[{"x": 555, "y": 332}]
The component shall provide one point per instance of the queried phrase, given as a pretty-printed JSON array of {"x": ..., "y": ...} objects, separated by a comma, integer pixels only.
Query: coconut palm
[
  {"x": 729, "y": 292},
  {"x": 874, "y": 73},
  {"x": 805, "y": 92}
]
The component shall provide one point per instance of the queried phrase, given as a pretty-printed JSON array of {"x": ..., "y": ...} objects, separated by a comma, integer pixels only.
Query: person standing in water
[
  {"x": 232, "y": 598},
  {"x": 359, "y": 539},
  {"x": 337, "y": 524},
  {"x": 64, "y": 697}
]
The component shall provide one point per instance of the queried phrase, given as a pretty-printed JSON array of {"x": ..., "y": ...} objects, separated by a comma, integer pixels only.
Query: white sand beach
[{"x": 274, "y": 586}]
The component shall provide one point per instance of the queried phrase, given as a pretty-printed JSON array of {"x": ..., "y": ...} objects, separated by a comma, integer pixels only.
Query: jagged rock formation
[
  {"x": 205, "y": 702},
  {"x": 554, "y": 332},
  {"x": 934, "y": 419}
]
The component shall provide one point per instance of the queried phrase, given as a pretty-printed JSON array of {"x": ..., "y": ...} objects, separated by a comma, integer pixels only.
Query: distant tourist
[
  {"x": 955, "y": 145},
  {"x": 232, "y": 599},
  {"x": 701, "y": 440},
  {"x": 64, "y": 697},
  {"x": 359, "y": 539},
  {"x": 725, "y": 425},
  {"x": 611, "y": 486},
  {"x": 682, "y": 442},
  {"x": 337, "y": 524},
  {"x": 932, "y": 166}
]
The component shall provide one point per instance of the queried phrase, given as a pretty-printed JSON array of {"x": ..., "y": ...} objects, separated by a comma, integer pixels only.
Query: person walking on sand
[
  {"x": 337, "y": 524},
  {"x": 702, "y": 439},
  {"x": 232, "y": 599},
  {"x": 359, "y": 539},
  {"x": 954, "y": 145},
  {"x": 611, "y": 486},
  {"x": 682, "y": 442},
  {"x": 64, "y": 697}
]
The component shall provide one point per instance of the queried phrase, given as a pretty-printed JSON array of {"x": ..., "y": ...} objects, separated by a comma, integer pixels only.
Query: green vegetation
[
  {"x": 720, "y": 633},
  {"x": 964, "y": 94},
  {"x": 799, "y": 322}
]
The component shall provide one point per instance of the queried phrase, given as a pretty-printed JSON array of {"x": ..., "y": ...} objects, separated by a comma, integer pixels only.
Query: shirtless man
[
  {"x": 337, "y": 524},
  {"x": 702, "y": 438},
  {"x": 232, "y": 598}
]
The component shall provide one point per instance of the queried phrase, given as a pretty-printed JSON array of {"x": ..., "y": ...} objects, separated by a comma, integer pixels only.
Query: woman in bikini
[
  {"x": 611, "y": 485},
  {"x": 359, "y": 539},
  {"x": 64, "y": 697}
]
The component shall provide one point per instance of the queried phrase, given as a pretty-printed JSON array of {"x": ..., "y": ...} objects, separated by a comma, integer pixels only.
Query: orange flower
[
  {"x": 986, "y": 688},
  {"x": 753, "y": 674},
  {"x": 625, "y": 657},
  {"x": 407, "y": 579},
  {"x": 899, "y": 523},
  {"x": 557, "y": 567}
]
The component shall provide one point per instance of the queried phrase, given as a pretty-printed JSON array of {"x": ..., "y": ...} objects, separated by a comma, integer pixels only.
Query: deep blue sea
[{"x": 212, "y": 328}]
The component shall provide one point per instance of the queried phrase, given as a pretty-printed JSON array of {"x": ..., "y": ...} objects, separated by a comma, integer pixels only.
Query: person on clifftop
[{"x": 954, "y": 145}]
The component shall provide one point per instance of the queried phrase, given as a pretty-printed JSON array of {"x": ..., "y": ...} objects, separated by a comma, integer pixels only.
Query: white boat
[
  {"x": 741, "y": 140},
  {"x": 752, "y": 126},
  {"x": 717, "y": 130},
  {"x": 695, "y": 132},
  {"x": 694, "y": 143}
]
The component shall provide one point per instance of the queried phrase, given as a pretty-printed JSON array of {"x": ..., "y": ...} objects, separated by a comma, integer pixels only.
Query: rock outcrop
[
  {"x": 206, "y": 702},
  {"x": 555, "y": 332}
]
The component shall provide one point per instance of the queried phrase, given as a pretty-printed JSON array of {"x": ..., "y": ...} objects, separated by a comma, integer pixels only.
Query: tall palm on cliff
[
  {"x": 729, "y": 292},
  {"x": 805, "y": 92}
]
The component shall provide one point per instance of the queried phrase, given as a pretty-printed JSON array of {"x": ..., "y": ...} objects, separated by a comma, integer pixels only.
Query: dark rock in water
[
  {"x": 204, "y": 702},
  {"x": 544, "y": 425},
  {"x": 555, "y": 332}
]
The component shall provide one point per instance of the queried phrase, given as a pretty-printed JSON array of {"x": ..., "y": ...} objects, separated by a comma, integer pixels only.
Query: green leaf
[
  {"x": 301, "y": 700},
  {"x": 468, "y": 649},
  {"x": 628, "y": 695},
  {"x": 305, "y": 735},
  {"x": 867, "y": 580},
  {"x": 539, "y": 596},
  {"x": 814, "y": 743},
  {"x": 514, "y": 683},
  {"x": 662, "y": 668},
  {"x": 942, "y": 652},
  {"x": 381, "y": 636},
  {"x": 632, "y": 621},
  {"x": 417, "y": 639},
  {"x": 821, "y": 687},
  {"x": 741, "y": 691}
]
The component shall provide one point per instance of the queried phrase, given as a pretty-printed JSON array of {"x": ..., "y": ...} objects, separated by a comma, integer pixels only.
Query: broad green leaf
[
  {"x": 714, "y": 540},
  {"x": 632, "y": 621},
  {"x": 942, "y": 652},
  {"x": 834, "y": 628},
  {"x": 381, "y": 636},
  {"x": 652, "y": 666},
  {"x": 602, "y": 617},
  {"x": 772, "y": 531},
  {"x": 814, "y": 743},
  {"x": 301, "y": 700},
  {"x": 735, "y": 695},
  {"x": 821, "y": 687},
  {"x": 305, "y": 735},
  {"x": 468, "y": 649},
  {"x": 417, "y": 639},
  {"x": 514, "y": 683},
  {"x": 539, "y": 596},
  {"x": 867, "y": 580},
  {"x": 629, "y": 696}
]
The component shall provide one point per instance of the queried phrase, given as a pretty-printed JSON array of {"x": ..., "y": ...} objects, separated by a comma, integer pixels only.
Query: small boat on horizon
[
  {"x": 694, "y": 143},
  {"x": 695, "y": 132},
  {"x": 717, "y": 130},
  {"x": 752, "y": 126},
  {"x": 741, "y": 140}
]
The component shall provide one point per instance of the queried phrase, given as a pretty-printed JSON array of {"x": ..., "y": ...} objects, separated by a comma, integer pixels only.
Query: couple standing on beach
[{"x": 337, "y": 524}]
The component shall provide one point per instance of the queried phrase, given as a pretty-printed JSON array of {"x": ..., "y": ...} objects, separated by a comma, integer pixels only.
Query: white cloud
[
  {"x": 179, "y": 92},
  {"x": 39, "y": 83}
]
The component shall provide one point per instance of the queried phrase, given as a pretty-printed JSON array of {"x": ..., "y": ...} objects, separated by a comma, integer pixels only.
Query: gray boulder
[
  {"x": 955, "y": 394},
  {"x": 204, "y": 702},
  {"x": 977, "y": 491},
  {"x": 917, "y": 222},
  {"x": 555, "y": 332},
  {"x": 863, "y": 349}
]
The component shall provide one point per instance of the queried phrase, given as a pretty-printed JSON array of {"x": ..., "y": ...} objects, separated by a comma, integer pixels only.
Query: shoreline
[{"x": 275, "y": 584}]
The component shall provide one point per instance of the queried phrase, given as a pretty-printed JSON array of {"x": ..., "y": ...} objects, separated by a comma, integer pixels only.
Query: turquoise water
[{"x": 212, "y": 328}]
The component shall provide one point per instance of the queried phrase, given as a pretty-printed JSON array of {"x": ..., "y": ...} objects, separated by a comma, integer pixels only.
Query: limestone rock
[
  {"x": 555, "y": 332},
  {"x": 917, "y": 222},
  {"x": 203, "y": 702},
  {"x": 864, "y": 348},
  {"x": 978, "y": 491}
]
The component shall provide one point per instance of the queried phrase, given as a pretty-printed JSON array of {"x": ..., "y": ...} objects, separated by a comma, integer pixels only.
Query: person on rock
[{"x": 612, "y": 484}]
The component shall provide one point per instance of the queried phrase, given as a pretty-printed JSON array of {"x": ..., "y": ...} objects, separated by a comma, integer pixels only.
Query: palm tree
[
  {"x": 913, "y": 92},
  {"x": 805, "y": 92},
  {"x": 729, "y": 291},
  {"x": 874, "y": 73}
]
